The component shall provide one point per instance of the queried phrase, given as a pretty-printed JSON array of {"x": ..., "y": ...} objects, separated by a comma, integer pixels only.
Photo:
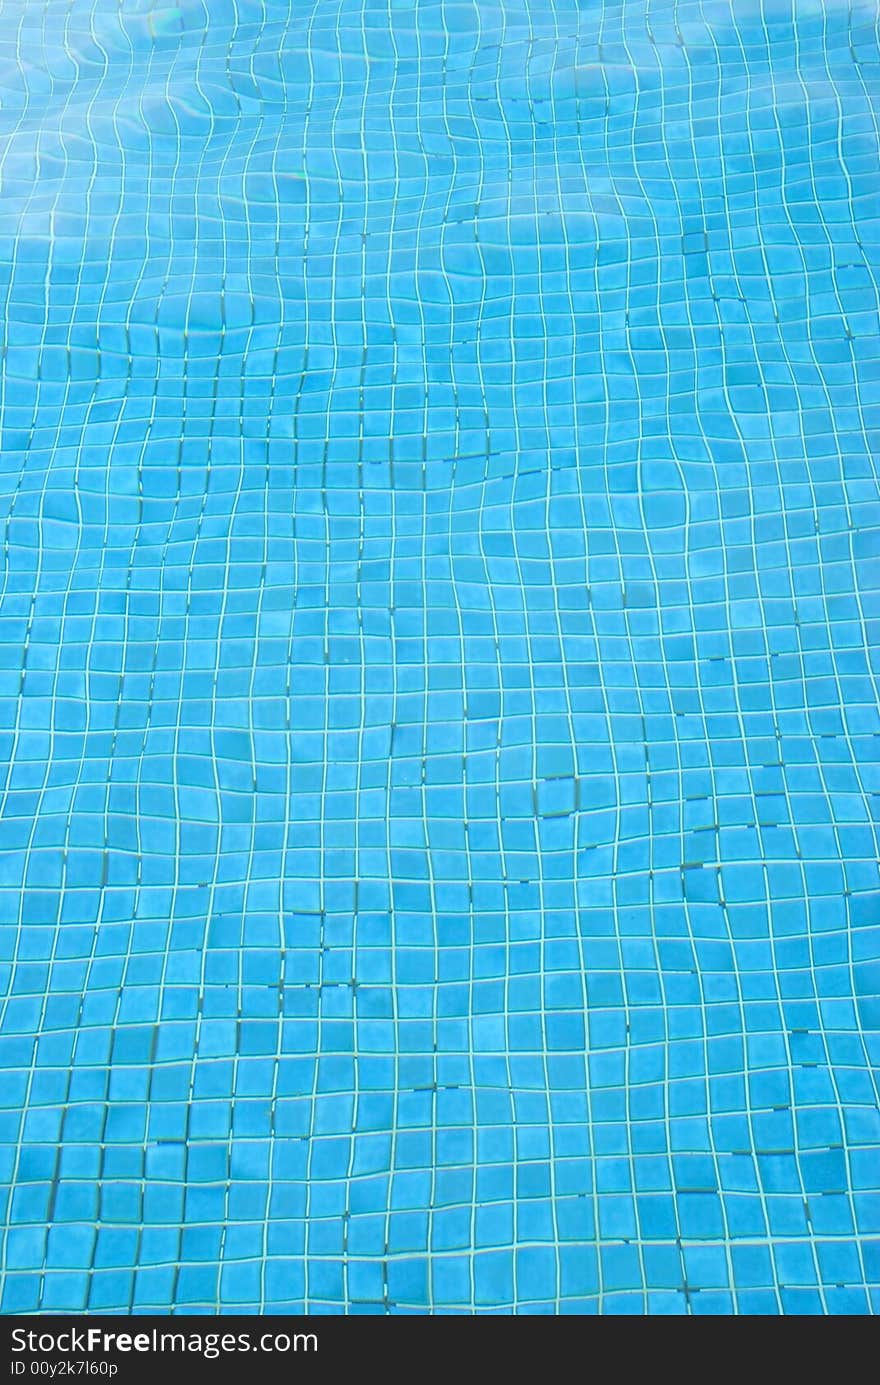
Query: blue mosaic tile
[{"x": 439, "y": 615}]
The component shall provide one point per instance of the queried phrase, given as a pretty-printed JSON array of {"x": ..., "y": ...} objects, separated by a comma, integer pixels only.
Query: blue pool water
[{"x": 439, "y": 640}]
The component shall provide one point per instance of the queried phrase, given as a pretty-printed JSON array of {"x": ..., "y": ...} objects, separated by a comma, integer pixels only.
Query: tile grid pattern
[{"x": 438, "y": 656}]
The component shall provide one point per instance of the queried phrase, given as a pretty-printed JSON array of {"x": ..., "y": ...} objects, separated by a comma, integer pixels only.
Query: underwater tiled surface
[{"x": 439, "y": 644}]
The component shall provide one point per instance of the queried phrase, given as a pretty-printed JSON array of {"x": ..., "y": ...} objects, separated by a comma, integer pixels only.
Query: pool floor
[{"x": 439, "y": 653}]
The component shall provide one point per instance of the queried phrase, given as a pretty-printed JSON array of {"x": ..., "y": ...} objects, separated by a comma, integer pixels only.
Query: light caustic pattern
[{"x": 440, "y": 581}]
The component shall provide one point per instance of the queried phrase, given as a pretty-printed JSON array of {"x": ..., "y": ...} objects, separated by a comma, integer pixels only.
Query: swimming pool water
[{"x": 439, "y": 648}]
